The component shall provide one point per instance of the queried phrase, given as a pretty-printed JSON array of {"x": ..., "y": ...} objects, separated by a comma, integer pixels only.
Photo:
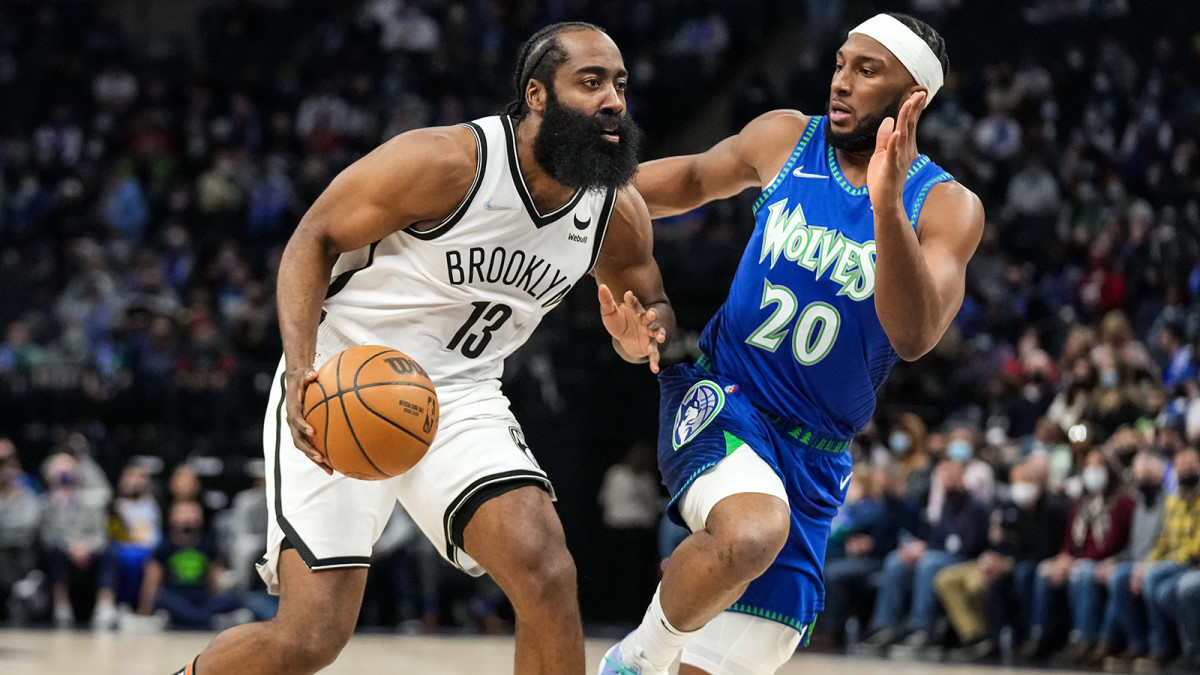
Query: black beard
[
  {"x": 861, "y": 138},
  {"x": 569, "y": 147}
]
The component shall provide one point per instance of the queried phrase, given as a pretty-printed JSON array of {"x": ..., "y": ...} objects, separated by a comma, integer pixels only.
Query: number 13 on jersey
[
  {"x": 815, "y": 331},
  {"x": 474, "y": 342}
]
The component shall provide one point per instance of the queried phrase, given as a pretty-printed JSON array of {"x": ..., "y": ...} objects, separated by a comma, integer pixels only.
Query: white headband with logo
[{"x": 908, "y": 48}]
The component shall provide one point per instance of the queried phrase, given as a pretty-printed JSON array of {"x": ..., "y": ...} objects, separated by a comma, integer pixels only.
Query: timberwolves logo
[{"x": 700, "y": 405}]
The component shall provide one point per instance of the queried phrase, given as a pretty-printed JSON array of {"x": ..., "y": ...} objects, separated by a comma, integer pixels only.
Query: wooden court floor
[{"x": 50, "y": 652}]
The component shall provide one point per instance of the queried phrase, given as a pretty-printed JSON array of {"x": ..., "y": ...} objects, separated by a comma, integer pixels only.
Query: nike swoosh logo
[
  {"x": 581, "y": 224},
  {"x": 846, "y": 480},
  {"x": 799, "y": 173},
  {"x": 498, "y": 207}
]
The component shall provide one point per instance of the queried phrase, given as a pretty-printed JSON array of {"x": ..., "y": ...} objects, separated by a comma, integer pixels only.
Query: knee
[
  {"x": 539, "y": 572},
  {"x": 749, "y": 545}
]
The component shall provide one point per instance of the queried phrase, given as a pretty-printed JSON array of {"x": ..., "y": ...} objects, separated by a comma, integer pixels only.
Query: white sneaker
[
  {"x": 104, "y": 617},
  {"x": 136, "y": 623},
  {"x": 64, "y": 617},
  {"x": 617, "y": 663}
]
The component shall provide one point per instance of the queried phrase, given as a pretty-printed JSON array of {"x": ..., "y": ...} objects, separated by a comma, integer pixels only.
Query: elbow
[{"x": 913, "y": 346}]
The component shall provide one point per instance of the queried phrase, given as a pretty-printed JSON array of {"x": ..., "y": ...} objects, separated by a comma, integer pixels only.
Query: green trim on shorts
[
  {"x": 732, "y": 443},
  {"x": 805, "y": 629}
]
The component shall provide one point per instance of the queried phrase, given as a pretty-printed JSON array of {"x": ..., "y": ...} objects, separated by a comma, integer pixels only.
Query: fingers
[
  {"x": 653, "y": 352},
  {"x": 303, "y": 442},
  {"x": 884, "y": 134},
  {"x": 632, "y": 301},
  {"x": 608, "y": 304}
]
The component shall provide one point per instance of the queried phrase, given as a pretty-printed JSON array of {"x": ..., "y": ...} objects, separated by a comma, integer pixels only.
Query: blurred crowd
[{"x": 1025, "y": 490}]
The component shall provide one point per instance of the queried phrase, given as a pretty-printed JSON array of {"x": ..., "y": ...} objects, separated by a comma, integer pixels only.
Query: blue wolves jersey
[{"x": 799, "y": 332}]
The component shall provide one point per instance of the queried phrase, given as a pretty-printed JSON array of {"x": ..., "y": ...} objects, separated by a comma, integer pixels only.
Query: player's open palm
[
  {"x": 895, "y": 151},
  {"x": 631, "y": 325}
]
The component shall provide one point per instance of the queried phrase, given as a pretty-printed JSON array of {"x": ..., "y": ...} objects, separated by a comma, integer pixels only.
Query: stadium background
[{"x": 154, "y": 157}]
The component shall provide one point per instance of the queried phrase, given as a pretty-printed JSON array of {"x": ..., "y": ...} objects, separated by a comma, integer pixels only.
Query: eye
[
  {"x": 837, "y": 67},
  {"x": 621, "y": 85},
  {"x": 867, "y": 72},
  {"x": 591, "y": 83}
]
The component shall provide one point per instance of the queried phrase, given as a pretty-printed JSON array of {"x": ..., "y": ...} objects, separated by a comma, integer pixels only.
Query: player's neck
[
  {"x": 853, "y": 165},
  {"x": 547, "y": 193}
]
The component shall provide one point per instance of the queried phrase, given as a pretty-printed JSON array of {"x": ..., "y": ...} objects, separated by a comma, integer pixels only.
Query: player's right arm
[
  {"x": 750, "y": 158},
  {"x": 416, "y": 178}
]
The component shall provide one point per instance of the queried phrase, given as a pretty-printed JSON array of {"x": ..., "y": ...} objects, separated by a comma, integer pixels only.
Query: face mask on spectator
[
  {"x": 956, "y": 497},
  {"x": 1189, "y": 481},
  {"x": 899, "y": 442},
  {"x": 1125, "y": 456},
  {"x": 1095, "y": 478},
  {"x": 1024, "y": 494},
  {"x": 1149, "y": 490},
  {"x": 1109, "y": 379},
  {"x": 958, "y": 451}
]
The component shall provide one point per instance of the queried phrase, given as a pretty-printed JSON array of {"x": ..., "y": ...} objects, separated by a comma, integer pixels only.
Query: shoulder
[
  {"x": 952, "y": 196},
  {"x": 630, "y": 209},
  {"x": 443, "y": 152},
  {"x": 952, "y": 209},
  {"x": 768, "y": 140}
]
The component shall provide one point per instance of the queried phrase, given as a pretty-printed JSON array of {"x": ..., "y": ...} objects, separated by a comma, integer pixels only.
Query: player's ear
[{"x": 535, "y": 96}]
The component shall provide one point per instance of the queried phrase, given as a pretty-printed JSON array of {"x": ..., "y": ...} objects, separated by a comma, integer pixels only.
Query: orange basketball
[{"x": 373, "y": 411}]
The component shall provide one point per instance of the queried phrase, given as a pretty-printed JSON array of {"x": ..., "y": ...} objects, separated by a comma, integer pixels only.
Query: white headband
[{"x": 908, "y": 48}]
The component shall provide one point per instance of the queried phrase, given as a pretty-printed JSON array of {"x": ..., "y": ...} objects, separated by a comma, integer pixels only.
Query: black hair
[
  {"x": 929, "y": 34},
  {"x": 540, "y": 57}
]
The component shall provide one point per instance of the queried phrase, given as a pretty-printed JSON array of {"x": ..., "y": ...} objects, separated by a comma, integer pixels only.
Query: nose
[
  {"x": 840, "y": 85},
  {"x": 614, "y": 101}
]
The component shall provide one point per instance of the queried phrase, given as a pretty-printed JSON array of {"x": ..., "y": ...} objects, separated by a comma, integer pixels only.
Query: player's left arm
[
  {"x": 633, "y": 304},
  {"x": 920, "y": 277}
]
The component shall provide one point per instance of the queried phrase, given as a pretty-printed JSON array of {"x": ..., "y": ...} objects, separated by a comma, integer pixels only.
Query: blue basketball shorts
[{"x": 703, "y": 418}]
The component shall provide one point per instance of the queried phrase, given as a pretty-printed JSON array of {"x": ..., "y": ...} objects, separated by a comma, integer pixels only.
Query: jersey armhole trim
[
  {"x": 918, "y": 203},
  {"x": 342, "y": 279},
  {"x": 461, "y": 210},
  {"x": 610, "y": 201},
  {"x": 809, "y": 130}
]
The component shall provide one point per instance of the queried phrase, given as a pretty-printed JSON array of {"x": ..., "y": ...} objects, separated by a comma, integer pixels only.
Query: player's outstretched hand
[
  {"x": 298, "y": 380},
  {"x": 895, "y": 151},
  {"x": 634, "y": 327}
]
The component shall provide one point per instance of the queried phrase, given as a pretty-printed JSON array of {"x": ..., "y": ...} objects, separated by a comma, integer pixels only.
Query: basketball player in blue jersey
[{"x": 858, "y": 258}]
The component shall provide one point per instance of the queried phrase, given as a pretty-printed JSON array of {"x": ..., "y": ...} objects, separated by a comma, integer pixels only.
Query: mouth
[
  {"x": 611, "y": 134},
  {"x": 839, "y": 112}
]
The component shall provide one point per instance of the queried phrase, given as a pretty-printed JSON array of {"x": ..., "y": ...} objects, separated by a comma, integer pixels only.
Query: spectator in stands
[
  {"x": 1097, "y": 532},
  {"x": 183, "y": 578},
  {"x": 1024, "y": 531},
  {"x": 20, "y": 516},
  {"x": 1105, "y": 629},
  {"x": 1152, "y": 642},
  {"x": 75, "y": 536},
  {"x": 984, "y": 597},
  {"x": 979, "y": 478},
  {"x": 1180, "y": 364},
  {"x": 136, "y": 526},
  {"x": 907, "y": 444},
  {"x": 959, "y": 534},
  {"x": 1186, "y": 612},
  {"x": 867, "y": 541}
]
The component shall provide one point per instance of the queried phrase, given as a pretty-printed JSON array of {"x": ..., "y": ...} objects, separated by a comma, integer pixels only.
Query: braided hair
[
  {"x": 929, "y": 34},
  {"x": 540, "y": 57}
]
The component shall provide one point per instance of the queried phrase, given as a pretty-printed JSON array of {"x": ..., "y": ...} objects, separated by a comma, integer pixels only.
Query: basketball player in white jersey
[{"x": 450, "y": 244}]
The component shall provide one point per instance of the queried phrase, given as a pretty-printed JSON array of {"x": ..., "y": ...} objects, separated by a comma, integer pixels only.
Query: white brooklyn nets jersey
[{"x": 462, "y": 296}]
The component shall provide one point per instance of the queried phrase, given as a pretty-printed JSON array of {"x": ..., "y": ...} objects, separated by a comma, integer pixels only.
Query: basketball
[{"x": 373, "y": 411}]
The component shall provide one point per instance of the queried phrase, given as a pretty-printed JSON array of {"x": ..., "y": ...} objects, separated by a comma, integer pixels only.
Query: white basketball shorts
[{"x": 333, "y": 521}]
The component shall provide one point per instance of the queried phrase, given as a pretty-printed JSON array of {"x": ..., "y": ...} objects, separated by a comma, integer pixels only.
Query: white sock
[{"x": 656, "y": 641}]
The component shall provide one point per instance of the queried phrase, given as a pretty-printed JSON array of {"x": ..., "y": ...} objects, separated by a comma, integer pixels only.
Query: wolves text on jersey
[
  {"x": 819, "y": 249},
  {"x": 528, "y": 272}
]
